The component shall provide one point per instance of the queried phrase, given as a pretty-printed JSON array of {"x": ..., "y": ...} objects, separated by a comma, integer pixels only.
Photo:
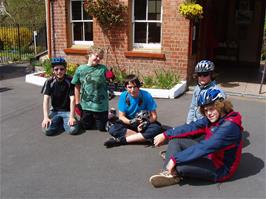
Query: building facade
[{"x": 154, "y": 36}]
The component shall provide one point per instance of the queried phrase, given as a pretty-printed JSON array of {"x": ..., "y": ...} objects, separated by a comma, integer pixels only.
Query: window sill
[
  {"x": 145, "y": 54},
  {"x": 80, "y": 51}
]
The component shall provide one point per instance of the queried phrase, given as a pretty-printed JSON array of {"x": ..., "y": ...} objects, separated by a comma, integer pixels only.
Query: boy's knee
[
  {"x": 116, "y": 131},
  {"x": 48, "y": 132},
  {"x": 73, "y": 130},
  {"x": 152, "y": 131}
]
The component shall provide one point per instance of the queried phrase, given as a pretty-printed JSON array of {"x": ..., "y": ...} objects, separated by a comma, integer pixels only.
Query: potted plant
[
  {"x": 191, "y": 10},
  {"x": 109, "y": 13}
]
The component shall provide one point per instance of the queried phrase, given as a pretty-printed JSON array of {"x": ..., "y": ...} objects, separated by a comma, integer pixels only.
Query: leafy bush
[
  {"x": 70, "y": 69},
  {"x": 148, "y": 81},
  {"x": 162, "y": 79},
  {"x": 10, "y": 39},
  {"x": 47, "y": 65},
  {"x": 120, "y": 74}
]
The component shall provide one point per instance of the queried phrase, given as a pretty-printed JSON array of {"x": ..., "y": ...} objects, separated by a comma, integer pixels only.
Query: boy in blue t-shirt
[{"x": 137, "y": 116}]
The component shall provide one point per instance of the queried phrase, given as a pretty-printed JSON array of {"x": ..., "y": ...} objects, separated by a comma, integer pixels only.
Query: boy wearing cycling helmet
[
  {"x": 137, "y": 116},
  {"x": 216, "y": 158},
  {"x": 205, "y": 80},
  {"x": 59, "y": 90}
]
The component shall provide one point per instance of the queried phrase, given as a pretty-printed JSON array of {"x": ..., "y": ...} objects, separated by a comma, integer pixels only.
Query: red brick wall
[
  {"x": 175, "y": 41},
  {"x": 59, "y": 28}
]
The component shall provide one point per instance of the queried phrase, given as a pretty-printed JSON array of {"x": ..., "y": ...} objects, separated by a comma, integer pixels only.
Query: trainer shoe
[
  {"x": 112, "y": 142},
  {"x": 165, "y": 178},
  {"x": 163, "y": 154}
]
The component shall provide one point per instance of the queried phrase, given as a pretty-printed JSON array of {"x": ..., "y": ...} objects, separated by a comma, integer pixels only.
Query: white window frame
[
  {"x": 145, "y": 45},
  {"x": 79, "y": 42}
]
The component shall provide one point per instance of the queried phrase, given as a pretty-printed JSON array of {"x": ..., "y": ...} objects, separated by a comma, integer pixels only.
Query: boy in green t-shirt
[{"x": 91, "y": 91}]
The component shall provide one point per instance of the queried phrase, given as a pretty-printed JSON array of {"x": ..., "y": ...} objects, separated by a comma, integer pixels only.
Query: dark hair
[{"x": 132, "y": 79}]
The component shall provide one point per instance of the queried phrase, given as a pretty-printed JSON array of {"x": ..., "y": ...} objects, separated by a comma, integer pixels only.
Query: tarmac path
[{"x": 59, "y": 167}]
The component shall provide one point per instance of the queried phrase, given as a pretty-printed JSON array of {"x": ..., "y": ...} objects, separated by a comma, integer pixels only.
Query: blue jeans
[
  {"x": 201, "y": 168},
  {"x": 60, "y": 124}
]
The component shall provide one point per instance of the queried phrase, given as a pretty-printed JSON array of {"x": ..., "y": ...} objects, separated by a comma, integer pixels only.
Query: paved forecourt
[{"x": 64, "y": 166}]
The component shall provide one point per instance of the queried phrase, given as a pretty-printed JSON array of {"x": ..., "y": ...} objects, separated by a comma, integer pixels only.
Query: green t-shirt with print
[{"x": 93, "y": 87}]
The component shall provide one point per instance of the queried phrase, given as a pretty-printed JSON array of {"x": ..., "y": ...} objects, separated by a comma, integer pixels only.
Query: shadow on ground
[
  {"x": 245, "y": 170},
  {"x": 230, "y": 74},
  {"x": 10, "y": 71},
  {"x": 245, "y": 139}
]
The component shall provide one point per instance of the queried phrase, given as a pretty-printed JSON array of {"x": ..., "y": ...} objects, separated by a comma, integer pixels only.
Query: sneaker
[
  {"x": 164, "y": 179},
  {"x": 163, "y": 154},
  {"x": 112, "y": 142}
]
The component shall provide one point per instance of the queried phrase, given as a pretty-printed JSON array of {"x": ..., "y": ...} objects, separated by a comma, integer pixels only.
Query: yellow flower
[{"x": 190, "y": 10}]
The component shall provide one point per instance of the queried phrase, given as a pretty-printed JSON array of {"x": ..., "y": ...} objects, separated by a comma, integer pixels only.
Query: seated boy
[{"x": 59, "y": 90}]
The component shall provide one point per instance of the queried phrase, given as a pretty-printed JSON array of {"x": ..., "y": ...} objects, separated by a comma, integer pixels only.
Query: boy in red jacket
[{"x": 216, "y": 158}]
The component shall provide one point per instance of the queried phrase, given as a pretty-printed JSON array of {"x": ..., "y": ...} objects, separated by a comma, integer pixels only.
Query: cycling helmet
[
  {"x": 209, "y": 96},
  {"x": 58, "y": 61},
  {"x": 143, "y": 115},
  {"x": 204, "y": 66}
]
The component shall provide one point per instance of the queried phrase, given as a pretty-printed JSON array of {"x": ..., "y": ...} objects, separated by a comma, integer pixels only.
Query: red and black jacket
[{"x": 222, "y": 144}]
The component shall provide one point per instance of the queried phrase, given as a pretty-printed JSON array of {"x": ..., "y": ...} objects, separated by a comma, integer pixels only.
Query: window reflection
[
  {"x": 154, "y": 10},
  {"x": 154, "y": 33}
]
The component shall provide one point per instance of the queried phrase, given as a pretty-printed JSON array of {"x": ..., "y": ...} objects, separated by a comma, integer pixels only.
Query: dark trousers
[
  {"x": 202, "y": 168},
  {"x": 90, "y": 119},
  {"x": 119, "y": 129}
]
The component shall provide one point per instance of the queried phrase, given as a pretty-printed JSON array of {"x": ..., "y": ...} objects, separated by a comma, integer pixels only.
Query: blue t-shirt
[{"x": 143, "y": 102}]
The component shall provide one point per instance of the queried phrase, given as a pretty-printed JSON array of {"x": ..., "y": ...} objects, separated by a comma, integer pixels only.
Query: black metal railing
[{"x": 21, "y": 41}]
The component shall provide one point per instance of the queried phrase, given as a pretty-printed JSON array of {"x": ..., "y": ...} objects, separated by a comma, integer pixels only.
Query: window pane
[
  {"x": 86, "y": 15},
  {"x": 154, "y": 10},
  {"x": 140, "y": 32},
  {"x": 88, "y": 32},
  {"x": 154, "y": 33},
  {"x": 140, "y": 9},
  {"x": 78, "y": 32},
  {"x": 76, "y": 10}
]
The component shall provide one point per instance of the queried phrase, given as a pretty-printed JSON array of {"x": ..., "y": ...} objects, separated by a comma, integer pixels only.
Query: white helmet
[{"x": 204, "y": 66}]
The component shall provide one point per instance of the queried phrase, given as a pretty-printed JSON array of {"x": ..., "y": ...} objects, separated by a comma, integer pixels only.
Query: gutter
[{"x": 49, "y": 31}]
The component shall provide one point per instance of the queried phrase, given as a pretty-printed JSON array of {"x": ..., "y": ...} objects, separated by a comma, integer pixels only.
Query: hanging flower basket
[
  {"x": 109, "y": 13},
  {"x": 191, "y": 10}
]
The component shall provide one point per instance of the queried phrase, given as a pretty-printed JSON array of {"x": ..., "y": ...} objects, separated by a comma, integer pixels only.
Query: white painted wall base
[
  {"x": 33, "y": 78},
  {"x": 172, "y": 93}
]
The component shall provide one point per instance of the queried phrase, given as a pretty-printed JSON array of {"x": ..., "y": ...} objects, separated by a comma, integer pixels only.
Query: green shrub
[
  {"x": 10, "y": 40},
  {"x": 120, "y": 74},
  {"x": 162, "y": 79},
  {"x": 148, "y": 81},
  {"x": 47, "y": 65},
  {"x": 70, "y": 69}
]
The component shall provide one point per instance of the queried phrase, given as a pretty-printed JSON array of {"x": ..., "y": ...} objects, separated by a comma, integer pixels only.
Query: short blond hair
[
  {"x": 222, "y": 106},
  {"x": 96, "y": 50}
]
